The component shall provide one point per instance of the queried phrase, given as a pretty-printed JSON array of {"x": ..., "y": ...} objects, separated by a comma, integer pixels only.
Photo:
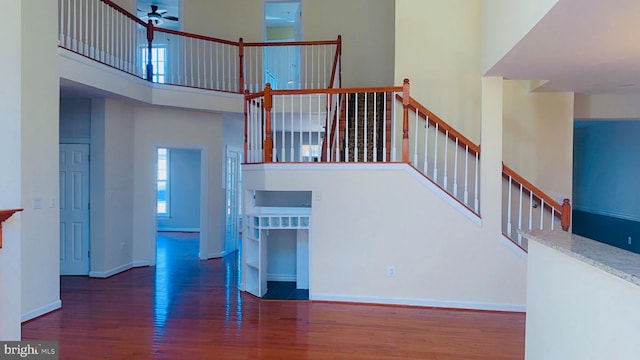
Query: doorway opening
[
  {"x": 178, "y": 203},
  {"x": 282, "y": 22}
]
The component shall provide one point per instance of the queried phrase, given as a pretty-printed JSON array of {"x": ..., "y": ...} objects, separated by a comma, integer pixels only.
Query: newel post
[
  {"x": 149, "y": 53},
  {"x": 268, "y": 140},
  {"x": 405, "y": 121},
  {"x": 241, "y": 65},
  {"x": 565, "y": 219}
]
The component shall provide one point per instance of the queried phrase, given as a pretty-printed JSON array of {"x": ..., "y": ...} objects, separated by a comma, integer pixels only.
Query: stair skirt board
[{"x": 419, "y": 302}]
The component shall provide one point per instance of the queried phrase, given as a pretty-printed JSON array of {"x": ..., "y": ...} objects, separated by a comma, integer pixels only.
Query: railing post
[
  {"x": 268, "y": 140},
  {"x": 565, "y": 219},
  {"x": 246, "y": 126},
  {"x": 405, "y": 121},
  {"x": 149, "y": 54},
  {"x": 339, "y": 61},
  {"x": 241, "y": 86}
]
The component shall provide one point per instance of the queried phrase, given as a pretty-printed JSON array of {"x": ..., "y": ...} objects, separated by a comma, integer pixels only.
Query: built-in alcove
[{"x": 276, "y": 245}]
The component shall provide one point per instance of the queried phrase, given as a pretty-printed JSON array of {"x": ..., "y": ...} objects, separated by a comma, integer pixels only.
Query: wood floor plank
[{"x": 185, "y": 308}]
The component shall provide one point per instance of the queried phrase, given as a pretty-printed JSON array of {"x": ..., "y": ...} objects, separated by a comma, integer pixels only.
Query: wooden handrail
[
  {"x": 4, "y": 215},
  {"x": 292, "y": 43},
  {"x": 524, "y": 182},
  {"x": 336, "y": 90},
  {"x": 197, "y": 36},
  {"x": 443, "y": 127},
  {"x": 124, "y": 12}
]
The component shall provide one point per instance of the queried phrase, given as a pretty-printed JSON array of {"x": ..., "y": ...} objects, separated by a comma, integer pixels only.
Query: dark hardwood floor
[{"x": 190, "y": 309}]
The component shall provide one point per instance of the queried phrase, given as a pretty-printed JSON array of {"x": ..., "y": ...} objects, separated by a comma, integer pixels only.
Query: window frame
[{"x": 166, "y": 181}]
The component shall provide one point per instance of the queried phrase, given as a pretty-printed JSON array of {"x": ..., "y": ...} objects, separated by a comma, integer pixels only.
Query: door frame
[
  {"x": 203, "y": 252},
  {"x": 238, "y": 184}
]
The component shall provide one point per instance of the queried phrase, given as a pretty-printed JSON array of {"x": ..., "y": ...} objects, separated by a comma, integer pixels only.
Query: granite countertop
[{"x": 620, "y": 263}]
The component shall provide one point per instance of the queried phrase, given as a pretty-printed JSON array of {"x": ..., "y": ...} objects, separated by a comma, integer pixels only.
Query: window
[
  {"x": 310, "y": 152},
  {"x": 159, "y": 62},
  {"x": 162, "y": 179}
]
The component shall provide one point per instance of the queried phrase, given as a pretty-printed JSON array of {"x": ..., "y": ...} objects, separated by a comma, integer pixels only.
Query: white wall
[
  {"x": 174, "y": 128},
  {"x": 10, "y": 176},
  {"x": 505, "y": 22},
  {"x": 576, "y": 311},
  {"x": 538, "y": 137},
  {"x": 40, "y": 236},
  {"x": 441, "y": 257},
  {"x": 366, "y": 27},
  {"x": 607, "y": 106},
  {"x": 112, "y": 129},
  {"x": 75, "y": 120},
  {"x": 438, "y": 47}
]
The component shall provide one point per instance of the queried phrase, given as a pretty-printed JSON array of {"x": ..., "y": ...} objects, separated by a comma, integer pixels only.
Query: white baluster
[
  {"x": 416, "y": 120},
  {"x": 541, "y": 214},
  {"x": 520, "y": 217},
  {"x": 375, "y": 122},
  {"x": 355, "y": 142},
  {"x": 466, "y": 174},
  {"x": 365, "y": 118},
  {"x": 435, "y": 153},
  {"x": 475, "y": 196},
  {"x": 455, "y": 170},
  {"x": 284, "y": 154},
  {"x": 393, "y": 130},
  {"x": 530, "y": 209},
  {"x": 510, "y": 187},
  {"x": 346, "y": 129},
  {"x": 384, "y": 127},
  {"x": 425, "y": 164},
  {"x": 291, "y": 150},
  {"x": 300, "y": 116},
  {"x": 446, "y": 159}
]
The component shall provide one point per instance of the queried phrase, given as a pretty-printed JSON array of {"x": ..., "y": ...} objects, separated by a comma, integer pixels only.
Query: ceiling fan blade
[
  {"x": 162, "y": 12},
  {"x": 172, "y": 18}
]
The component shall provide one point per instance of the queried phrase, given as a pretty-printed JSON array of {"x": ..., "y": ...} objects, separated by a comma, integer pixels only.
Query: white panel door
[{"x": 74, "y": 209}]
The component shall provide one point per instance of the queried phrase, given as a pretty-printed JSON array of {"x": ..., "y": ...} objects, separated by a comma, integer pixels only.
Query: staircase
[{"x": 362, "y": 128}]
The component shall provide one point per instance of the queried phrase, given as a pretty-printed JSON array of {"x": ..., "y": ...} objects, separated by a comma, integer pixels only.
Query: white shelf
[{"x": 266, "y": 218}]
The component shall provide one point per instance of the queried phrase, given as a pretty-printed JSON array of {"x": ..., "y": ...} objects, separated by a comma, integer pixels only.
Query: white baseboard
[
  {"x": 108, "y": 273},
  {"x": 41, "y": 311},
  {"x": 419, "y": 302},
  {"x": 140, "y": 263},
  {"x": 281, "y": 277},
  {"x": 214, "y": 255},
  {"x": 177, "y": 229}
]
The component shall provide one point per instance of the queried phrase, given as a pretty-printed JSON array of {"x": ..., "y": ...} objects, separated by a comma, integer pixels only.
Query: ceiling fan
[{"x": 157, "y": 16}]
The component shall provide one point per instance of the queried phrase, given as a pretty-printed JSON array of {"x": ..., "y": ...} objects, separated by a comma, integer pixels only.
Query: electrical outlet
[
  {"x": 391, "y": 271},
  {"x": 629, "y": 240}
]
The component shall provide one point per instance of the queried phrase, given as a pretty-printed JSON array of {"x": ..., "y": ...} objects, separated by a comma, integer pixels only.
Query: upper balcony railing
[{"x": 103, "y": 31}]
